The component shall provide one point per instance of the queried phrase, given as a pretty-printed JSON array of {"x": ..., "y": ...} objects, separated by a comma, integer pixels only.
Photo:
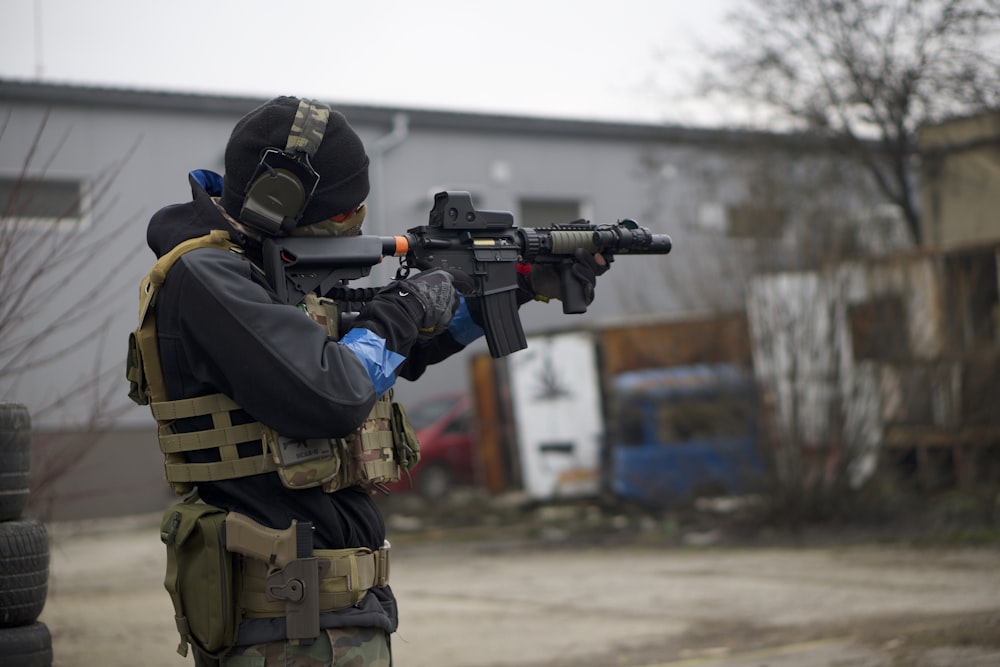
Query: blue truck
[{"x": 677, "y": 433}]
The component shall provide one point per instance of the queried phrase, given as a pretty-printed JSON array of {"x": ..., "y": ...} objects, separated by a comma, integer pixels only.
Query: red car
[{"x": 445, "y": 429}]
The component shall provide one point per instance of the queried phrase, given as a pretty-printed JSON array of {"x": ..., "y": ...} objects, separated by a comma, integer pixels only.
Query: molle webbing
[
  {"x": 223, "y": 436},
  {"x": 347, "y": 576},
  {"x": 147, "y": 387},
  {"x": 368, "y": 456},
  {"x": 376, "y": 452}
]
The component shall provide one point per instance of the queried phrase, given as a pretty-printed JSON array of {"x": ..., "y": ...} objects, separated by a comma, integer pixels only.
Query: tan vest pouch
[
  {"x": 404, "y": 439},
  {"x": 305, "y": 463},
  {"x": 374, "y": 455},
  {"x": 201, "y": 577}
]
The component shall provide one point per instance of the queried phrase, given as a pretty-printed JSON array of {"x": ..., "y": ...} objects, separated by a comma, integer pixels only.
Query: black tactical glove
[
  {"x": 411, "y": 310},
  {"x": 435, "y": 289},
  {"x": 545, "y": 283}
]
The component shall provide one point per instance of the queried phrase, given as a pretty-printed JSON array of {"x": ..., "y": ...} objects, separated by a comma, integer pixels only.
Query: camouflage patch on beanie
[{"x": 340, "y": 160}]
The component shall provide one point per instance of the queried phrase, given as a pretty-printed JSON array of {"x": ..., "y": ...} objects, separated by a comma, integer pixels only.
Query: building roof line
[{"x": 14, "y": 90}]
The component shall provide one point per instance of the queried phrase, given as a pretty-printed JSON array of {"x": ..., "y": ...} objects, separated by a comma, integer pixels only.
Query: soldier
[{"x": 275, "y": 423}]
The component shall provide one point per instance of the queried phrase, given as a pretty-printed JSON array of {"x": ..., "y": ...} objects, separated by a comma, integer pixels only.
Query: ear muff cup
[{"x": 274, "y": 201}]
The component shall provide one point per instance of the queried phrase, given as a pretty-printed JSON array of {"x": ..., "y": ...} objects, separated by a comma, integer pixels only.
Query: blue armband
[
  {"x": 380, "y": 362},
  {"x": 462, "y": 328}
]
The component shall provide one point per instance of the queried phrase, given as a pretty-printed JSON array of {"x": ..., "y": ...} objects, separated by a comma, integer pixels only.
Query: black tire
[
  {"x": 26, "y": 646},
  {"x": 15, "y": 459},
  {"x": 24, "y": 572}
]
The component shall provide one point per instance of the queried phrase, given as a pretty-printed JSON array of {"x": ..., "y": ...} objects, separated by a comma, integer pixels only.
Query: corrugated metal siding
[{"x": 722, "y": 338}]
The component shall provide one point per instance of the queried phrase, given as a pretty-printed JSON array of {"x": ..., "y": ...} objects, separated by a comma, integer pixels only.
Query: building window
[
  {"x": 43, "y": 202},
  {"x": 548, "y": 212}
]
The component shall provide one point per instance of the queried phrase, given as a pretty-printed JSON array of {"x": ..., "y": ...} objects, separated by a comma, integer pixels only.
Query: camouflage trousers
[{"x": 336, "y": 647}]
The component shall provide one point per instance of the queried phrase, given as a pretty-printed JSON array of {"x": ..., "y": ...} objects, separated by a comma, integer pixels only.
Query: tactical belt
[
  {"x": 282, "y": 575},
  {"x": 346, "y": 576}
]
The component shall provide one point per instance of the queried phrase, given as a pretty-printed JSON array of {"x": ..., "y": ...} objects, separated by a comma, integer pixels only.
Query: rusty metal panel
[
  {"x": 486, "y": 399},
  {"x": 714, "y": 339}
]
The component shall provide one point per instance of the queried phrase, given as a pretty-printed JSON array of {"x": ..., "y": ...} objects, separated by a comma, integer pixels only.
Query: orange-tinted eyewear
[{"x": 341, "y": 217}]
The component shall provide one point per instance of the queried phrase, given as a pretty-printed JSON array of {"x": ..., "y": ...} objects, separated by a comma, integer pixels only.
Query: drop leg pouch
[{"x": 201, "y": 577}]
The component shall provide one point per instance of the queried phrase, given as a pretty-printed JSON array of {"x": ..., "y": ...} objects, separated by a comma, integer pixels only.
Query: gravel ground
[{"x": 549, "y": 593}]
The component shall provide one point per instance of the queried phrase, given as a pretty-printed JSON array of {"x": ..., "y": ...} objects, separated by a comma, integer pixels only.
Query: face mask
[{"x": 350, "y": 226}]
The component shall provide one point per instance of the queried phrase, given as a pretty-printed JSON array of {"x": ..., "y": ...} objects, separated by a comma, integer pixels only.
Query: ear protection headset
[{"x": 284, "y": 182}]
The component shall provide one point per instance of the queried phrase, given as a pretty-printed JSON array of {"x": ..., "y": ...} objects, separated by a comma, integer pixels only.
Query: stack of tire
[{"x": 24, "y": 550}]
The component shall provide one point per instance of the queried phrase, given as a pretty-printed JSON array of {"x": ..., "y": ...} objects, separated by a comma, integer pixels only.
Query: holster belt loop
[{"x": 346, "y": 575}]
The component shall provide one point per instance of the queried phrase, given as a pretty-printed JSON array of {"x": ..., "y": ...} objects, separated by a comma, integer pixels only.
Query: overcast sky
[{"x": 598, "y": 59}]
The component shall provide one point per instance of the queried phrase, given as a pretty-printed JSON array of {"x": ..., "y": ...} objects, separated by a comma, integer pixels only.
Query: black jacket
[{"x": 221, "y": 329}]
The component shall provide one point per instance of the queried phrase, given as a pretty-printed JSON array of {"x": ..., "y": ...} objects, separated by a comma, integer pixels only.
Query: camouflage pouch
[
  {"x": 371, "y": 456},
  {"x": 372, "y": 460},
  {"x": 201, "y": 577},
  {"x": 306, "y": 463}
]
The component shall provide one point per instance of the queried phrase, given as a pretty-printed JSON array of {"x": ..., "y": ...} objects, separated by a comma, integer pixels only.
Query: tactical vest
[{"x": 371, "y": 456}]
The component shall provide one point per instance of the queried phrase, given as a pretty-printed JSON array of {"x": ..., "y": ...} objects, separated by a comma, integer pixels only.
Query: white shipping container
[{"x": 555, "y": 392}]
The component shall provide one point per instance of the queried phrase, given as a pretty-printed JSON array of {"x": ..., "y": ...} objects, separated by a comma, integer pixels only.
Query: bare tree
[
  {"x": 48, "y": 314},
  {"x": 867, "y": 74},
  {"x": 772, "y": 203}
]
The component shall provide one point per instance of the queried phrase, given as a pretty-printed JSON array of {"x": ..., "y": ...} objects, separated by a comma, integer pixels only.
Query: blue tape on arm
[
  {"x": 379, "y": 361},
  {"x": 461, "y": 327}
]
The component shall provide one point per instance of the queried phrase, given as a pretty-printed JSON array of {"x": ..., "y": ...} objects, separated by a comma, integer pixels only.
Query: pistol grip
[
  {"x": 274, "y": 547},
  {"x": 574, "y": 291}
]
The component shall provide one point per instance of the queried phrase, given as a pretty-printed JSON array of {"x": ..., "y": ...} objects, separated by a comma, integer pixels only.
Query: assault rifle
[{"x": 484, "y": 245}]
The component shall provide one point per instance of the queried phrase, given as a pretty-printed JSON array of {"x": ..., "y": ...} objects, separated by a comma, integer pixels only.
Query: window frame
[{"x": 79, "y": 219}]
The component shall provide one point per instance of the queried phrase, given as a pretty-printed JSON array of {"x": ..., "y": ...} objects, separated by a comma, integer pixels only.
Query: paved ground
[{"x": 493, "y": 598}]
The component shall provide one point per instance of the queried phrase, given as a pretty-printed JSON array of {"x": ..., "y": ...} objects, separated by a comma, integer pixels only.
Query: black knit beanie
[{"x": 340, "y": 160}]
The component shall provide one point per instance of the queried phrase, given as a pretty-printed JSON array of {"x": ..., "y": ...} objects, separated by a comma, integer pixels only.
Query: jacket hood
[{"x": 179, "y": 222}]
